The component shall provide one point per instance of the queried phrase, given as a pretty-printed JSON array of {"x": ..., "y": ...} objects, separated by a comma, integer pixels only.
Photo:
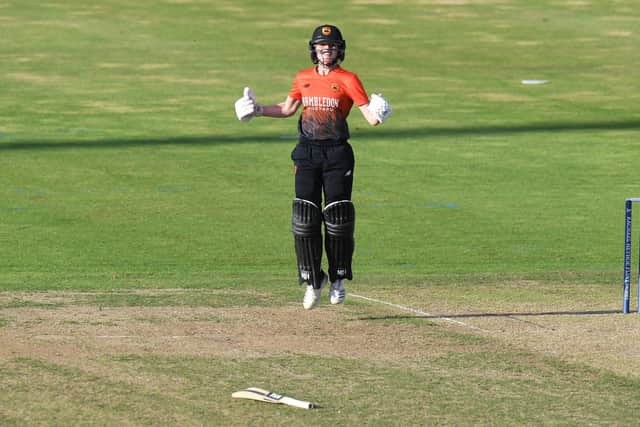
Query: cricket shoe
[
  {"x": 312, "y": 295},
  {"x": 337, "y": 293}
]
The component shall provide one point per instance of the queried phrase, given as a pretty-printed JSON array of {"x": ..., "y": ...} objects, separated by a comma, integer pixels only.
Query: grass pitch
[
  {"x": 145, "y": 231},
  {"x": 174, "y": 357}
]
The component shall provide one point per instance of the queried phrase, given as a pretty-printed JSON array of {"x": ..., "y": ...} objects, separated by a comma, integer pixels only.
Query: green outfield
[{"x": 147, "y": 263}]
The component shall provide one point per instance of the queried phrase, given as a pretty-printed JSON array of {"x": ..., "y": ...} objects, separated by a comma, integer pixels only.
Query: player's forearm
[{"x": 277, "y": 111}]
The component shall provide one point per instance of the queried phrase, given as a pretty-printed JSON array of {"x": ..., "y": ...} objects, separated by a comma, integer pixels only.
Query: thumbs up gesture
[{"x": 247, "y": 107}]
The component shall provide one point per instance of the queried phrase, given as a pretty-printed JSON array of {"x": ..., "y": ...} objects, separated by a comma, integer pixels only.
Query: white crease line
[
  {"x": 175, "y": 337},
  {"x": 419, "y": 312}
]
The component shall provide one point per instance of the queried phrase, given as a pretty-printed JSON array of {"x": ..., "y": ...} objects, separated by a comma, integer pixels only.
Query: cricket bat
[{"x": 255, "y": 393}]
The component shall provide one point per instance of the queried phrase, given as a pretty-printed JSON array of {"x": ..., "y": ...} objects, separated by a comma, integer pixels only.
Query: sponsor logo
[
  {"x": 320, "y": 102},
  {"x": 274, "y": 396}
]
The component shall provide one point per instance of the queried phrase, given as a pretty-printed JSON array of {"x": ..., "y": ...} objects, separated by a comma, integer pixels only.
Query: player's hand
[
  {"x": 380, "y": 107},
  {"x": 247, "y": 107}
]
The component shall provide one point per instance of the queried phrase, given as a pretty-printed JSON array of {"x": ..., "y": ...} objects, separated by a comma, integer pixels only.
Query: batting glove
[
  {"x": 379, "y": 107},
  {"x": 247, "y": 107}
]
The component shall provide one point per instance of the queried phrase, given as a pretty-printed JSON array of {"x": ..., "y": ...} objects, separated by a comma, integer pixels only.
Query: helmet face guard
[{"x": 327, "y": 34}]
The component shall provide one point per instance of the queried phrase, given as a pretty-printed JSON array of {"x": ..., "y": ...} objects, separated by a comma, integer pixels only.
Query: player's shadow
[
  {"x": 358, "y": 133},
  {"x": 486, "y": 130},
  {"x": 488, "y": 315},
  {"x": 109, "y": 143}
]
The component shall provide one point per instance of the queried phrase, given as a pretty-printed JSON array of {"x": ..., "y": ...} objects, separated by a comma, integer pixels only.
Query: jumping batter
[{"x": 323, "y": 160}]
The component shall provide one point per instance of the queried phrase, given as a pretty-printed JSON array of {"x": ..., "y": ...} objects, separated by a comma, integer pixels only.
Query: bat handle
[{"x": 297, "y": 403}]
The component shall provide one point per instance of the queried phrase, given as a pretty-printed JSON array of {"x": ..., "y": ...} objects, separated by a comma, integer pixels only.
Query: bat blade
[{"x": 255, "y": 393}]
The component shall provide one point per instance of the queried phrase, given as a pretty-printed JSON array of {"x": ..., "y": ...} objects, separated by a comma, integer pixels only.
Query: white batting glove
[
  {"x": 247, "y": 107},
  {"x": 379, "y": 107}
]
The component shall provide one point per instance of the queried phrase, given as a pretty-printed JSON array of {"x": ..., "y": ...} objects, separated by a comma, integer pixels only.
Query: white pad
[
  {"x": 380, "y": 107},
  {"x": 246, "y": 107}
]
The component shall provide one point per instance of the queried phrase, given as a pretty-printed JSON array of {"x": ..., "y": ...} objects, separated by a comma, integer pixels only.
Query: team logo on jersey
[
  {"x": 321, "y": 103},
  {"x": 335, "y": 87},
  {"x": 326, "y": 31},
  {"x": 307, "y": 85}
]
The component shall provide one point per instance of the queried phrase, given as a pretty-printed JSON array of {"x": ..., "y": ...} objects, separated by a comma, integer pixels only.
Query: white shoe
[
  {"x": 312, "y": 295},
  {"x": 337, "y": 293}
]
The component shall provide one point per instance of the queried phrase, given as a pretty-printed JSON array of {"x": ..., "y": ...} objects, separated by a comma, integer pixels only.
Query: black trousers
[{"x": 323, "y": 170}]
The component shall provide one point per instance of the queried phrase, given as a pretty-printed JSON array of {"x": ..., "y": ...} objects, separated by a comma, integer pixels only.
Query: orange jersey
[{"x": 326, "y": 102}]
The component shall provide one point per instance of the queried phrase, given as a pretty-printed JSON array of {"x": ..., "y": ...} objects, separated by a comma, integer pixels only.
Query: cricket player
[{"x": 323, "y": 161}]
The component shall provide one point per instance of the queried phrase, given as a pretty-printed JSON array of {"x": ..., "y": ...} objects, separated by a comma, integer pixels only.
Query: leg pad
[
  {"x": 306, "y": 225},
  {"x": 339, "y": 223}
]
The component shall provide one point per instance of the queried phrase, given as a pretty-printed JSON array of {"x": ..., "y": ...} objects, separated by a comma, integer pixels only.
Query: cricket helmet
[{"x": 327, "y": 34}]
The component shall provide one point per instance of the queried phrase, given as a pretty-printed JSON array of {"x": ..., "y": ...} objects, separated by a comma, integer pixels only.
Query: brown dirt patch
[
  {"x": 598, "y": 336},
  {"x": 60, "y": 328},
  {"x": 52, "y": 325},
  {"x": 606, "y": 341}
]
